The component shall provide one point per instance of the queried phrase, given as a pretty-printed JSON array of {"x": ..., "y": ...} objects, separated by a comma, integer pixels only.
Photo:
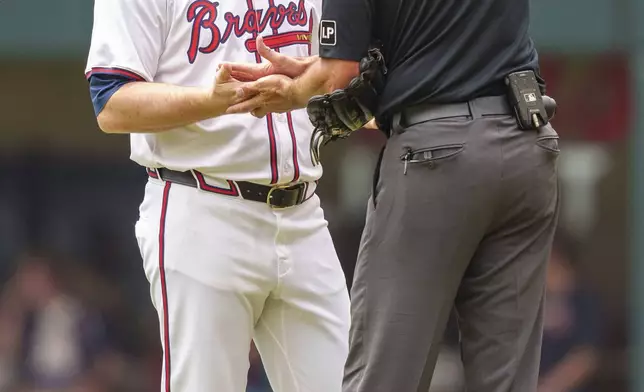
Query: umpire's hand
[
  {"x": 371, "y": 124},
  {"x": 278, "y": 64}
]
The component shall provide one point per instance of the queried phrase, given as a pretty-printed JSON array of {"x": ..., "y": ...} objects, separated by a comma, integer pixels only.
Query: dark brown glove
[{"x": 342, "y": 112}]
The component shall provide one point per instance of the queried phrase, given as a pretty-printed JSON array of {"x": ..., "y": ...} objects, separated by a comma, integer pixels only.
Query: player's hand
[
  {"x": 227, "y": 90},
  {"x": 277, "y": 64},
  {"x": 270, "y": 94}
]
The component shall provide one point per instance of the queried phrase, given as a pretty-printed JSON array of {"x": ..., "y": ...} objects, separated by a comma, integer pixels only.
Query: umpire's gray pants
[{"x": 470, "y": 224}]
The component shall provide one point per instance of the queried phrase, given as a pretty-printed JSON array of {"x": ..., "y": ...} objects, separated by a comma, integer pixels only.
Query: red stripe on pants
[{"x": 164, "y": 287}]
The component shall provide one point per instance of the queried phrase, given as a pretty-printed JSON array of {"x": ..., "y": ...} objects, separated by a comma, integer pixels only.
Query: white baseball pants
[{"x": 223, "y": 271}]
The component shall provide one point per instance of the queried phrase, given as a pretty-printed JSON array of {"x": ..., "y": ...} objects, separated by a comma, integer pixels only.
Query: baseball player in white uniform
[{"x": 234, "y": 242}]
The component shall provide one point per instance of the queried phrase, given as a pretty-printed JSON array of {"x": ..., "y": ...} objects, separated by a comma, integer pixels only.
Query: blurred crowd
[{"x": 56, "y": 333}]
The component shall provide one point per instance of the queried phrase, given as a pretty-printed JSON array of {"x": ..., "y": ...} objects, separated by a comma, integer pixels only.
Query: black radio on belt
[{"x": 526, "y": 100}]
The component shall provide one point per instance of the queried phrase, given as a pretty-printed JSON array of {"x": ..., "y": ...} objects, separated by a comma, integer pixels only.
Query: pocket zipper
[{"x": 406, "y": 158}]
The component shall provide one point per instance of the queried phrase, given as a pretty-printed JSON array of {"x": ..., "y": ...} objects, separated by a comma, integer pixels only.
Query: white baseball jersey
[{"x": 181, "y": 42}]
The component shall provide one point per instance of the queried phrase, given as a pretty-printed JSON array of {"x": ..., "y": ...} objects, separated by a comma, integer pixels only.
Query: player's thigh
[
  {"x": 205, "y": 334},
  {"x": 205, "y": 327},
  {"x": 304, "y": 349}
]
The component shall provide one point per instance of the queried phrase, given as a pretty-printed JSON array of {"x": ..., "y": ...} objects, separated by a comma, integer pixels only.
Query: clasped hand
[{"x": 267, "y": 87}]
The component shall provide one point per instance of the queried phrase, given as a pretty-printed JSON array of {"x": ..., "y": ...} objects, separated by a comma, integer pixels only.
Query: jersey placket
[{"x": 284, "y": 147}]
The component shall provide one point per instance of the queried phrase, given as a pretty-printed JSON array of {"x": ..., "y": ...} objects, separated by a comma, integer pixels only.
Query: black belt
[
  {"x": 478, "y": 107},
  {"x": 274, "y": 196}
]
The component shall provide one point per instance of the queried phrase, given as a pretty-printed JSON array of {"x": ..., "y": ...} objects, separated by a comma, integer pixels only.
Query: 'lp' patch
[{"x": 328, "y": 33}]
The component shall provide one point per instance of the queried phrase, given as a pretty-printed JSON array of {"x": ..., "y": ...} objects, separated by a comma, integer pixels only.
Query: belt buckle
[{"x": 281, "y": 187}]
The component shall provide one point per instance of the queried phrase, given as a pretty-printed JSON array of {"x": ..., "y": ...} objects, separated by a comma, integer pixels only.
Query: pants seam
[{"x": 282, "y": 348}]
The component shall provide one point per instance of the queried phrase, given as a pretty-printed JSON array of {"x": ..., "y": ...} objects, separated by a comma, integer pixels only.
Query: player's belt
[{"x": 275, "y": 196}]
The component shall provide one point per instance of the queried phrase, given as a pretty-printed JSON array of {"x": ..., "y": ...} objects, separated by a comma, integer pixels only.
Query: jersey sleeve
[
  {"x": 345, "y": 29},
  {"x": 127, "y": 38}
]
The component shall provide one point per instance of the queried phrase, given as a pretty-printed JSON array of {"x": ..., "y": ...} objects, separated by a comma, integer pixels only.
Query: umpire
[{"x": 465, "y": 199}]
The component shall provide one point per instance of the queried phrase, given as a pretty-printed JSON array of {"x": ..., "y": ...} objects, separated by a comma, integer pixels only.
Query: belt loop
[
  {"x": 303, "y": 193},
  {"x": 396, "y": 124},
  {"x": 196, "y": 177},
  {"x": 471, "y": 105},
  {"x": 158, "y": 174}
]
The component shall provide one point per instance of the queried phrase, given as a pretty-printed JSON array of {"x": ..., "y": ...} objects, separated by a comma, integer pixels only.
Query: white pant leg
[
  {"x": 202, "y": 256},
  {"x": 303, "y": 332}
]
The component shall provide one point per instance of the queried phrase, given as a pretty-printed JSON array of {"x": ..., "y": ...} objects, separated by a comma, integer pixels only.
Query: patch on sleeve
[{"x": 328, "y": 33}]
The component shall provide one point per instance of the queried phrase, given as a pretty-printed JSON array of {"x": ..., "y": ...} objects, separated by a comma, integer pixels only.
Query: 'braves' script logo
[{"x": 203, "y": 16}]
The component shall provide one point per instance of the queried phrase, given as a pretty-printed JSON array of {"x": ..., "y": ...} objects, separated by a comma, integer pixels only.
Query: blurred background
[{"x": 75, "y": 313}]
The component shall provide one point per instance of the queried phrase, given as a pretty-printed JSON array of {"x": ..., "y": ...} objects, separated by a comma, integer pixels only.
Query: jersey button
[{"x": 281, "y": 117}]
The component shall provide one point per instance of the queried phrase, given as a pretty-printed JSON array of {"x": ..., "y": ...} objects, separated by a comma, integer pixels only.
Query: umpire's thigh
[{"x": 501, "y": 299}]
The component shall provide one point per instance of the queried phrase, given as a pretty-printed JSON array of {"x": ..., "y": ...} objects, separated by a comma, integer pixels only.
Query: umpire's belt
[
  {"x": 275, "y": 196},
  {"x": 476, "y": 108}
]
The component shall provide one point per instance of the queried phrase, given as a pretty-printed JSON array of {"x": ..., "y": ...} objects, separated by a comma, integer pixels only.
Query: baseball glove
[{"x": 340, "y": 113}]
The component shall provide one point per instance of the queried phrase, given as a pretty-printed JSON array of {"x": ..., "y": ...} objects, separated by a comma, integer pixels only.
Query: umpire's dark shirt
[{"x": 436, "y": 51}]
